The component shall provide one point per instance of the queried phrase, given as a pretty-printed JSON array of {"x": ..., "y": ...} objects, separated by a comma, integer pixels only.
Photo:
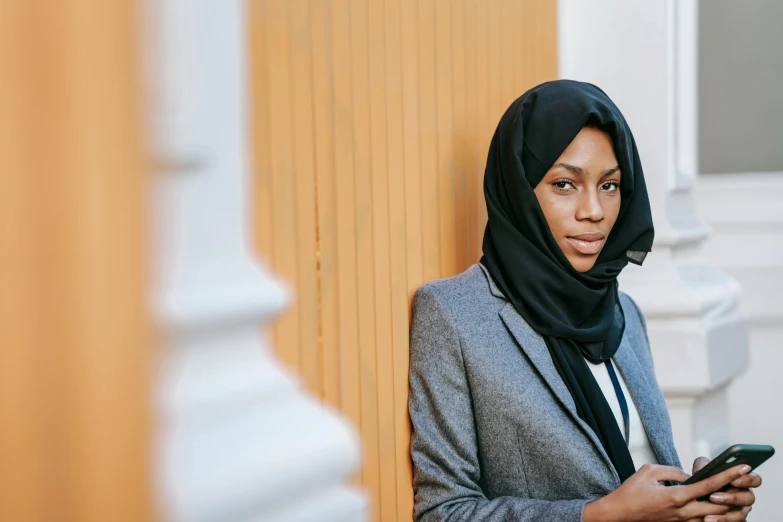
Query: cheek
[
  {"x": 557, "y": 211},
  {"x": 612, "y": 210}
]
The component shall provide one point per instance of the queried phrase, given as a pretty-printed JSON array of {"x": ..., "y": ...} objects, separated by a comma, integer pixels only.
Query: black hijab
[{"x": 578, "y": 314}]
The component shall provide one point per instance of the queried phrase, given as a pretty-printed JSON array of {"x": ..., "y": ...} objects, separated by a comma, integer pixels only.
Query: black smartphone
[{"x": 751, "y": 454}]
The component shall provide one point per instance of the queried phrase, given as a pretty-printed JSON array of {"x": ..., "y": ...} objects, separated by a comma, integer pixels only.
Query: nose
[{"x": 589, "y": 206}]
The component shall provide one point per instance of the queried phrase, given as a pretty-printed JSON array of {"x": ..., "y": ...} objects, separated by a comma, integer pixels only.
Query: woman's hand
[
  {"x": 740, "y": 498},
  {"x": 642, "y": 498}
]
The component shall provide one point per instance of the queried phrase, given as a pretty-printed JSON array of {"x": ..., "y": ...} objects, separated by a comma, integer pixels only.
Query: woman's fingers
[
  {"x": 715, "y": 482},
  {"x": 737, "y": 515},
  {"x": 751, "y": 480},
  {"x": 699, "y": 463},
  {"x": 699, "y": 510},
  {"x": 660, "y": 473},
  {"x": 734, "y": 497}
]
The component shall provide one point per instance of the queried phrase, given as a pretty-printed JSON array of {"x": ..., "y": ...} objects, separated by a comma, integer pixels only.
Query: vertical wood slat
[
  {"x": 516, "y": 44},
  {"x": 283, "y": 182},
  {"x": 369, "y": 388},
  {"x": 345, "y": 214},
  {"x": 411, "y": 154},
  {"x": 382, "y": 257},
  {"x": 495, "y": 104},
  {"x": 483, "y": 113},
  {"x": 22, "y": 476},
  {"x": 527, "y": 51},
  {"x": 459, "y": 105},
  {"x": 307, "y": 282},
  {"x": 443, "y": 83},
  {"x": 428, "y": 148},
  {"x": 466, "y": 135},
  {"x": 260, "y": 129},
  {"x": 398, "y": 355},
  {"x": 405, "y": 96},
  {"x": 326, "y": 226},
  {"x": 506, "y": 32},
  {"x": 547, "y": 57}
]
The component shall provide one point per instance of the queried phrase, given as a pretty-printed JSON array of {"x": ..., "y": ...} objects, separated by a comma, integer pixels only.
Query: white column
[
  {"x": 644, "y": 55},
  {"x": 238, "y": 438}
]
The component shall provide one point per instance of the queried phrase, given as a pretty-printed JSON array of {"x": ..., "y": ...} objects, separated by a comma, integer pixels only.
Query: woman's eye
[
  {"x": 563, "y": 184},
  {"x": 611, "y": 186}
]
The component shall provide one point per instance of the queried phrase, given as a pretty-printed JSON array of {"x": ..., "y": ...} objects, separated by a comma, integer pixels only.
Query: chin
[{"x": 582, "y": 265}]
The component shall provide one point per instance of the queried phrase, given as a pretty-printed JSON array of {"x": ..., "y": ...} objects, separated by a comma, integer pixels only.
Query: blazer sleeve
[{"x": 444, "y": 449}]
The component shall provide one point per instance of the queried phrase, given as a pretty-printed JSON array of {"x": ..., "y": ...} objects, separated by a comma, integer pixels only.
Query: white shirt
[{"x": 639, "y": 445}]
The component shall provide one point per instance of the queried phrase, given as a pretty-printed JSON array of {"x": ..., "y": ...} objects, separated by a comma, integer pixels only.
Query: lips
[{"x": 588, "y": 244}]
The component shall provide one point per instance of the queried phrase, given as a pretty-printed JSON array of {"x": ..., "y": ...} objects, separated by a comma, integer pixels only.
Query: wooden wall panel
[
  {"x": 372, "y": 120},
  {"x": 75, "y": 356}
]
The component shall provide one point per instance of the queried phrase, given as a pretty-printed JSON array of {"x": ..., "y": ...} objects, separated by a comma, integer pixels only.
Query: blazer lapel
[
  {"x": 646, "y": 399},
  {"x": 534, "y": 346},
  {"x": 645, "y": 395},
  {"x": 536, "y": 350}
]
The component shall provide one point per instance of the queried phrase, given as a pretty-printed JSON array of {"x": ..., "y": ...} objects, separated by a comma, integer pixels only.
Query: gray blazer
[{"x": 496, "y": 436}]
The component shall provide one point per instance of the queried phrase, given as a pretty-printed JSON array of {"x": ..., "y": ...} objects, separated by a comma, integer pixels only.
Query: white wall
[
  {"x": 740, "y": 81},
  {"x": 756, "y": 413},
  {"x": 745, "y": 211}
]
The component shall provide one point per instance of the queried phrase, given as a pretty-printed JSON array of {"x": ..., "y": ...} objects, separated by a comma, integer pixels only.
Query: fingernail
[
  {"x": 737, "y": 482},
  {"x": 744, "y": 470},
  {"x": 718, "y": 497},
  {"x": 711, "y": 519}
]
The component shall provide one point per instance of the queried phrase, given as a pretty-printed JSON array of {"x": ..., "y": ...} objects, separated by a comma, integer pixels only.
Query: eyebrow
[{"x": 580, "y": 171}]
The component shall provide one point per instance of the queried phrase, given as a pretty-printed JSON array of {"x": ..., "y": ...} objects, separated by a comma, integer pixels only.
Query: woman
[{"x": 533, "y": 395}]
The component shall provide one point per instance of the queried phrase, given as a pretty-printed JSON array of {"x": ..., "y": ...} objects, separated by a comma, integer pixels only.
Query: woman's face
[{"x": 580, "y": 197}]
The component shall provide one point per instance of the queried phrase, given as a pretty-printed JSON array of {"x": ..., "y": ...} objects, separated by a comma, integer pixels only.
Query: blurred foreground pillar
[
  {"x": 644, "y": 55},
  {"x": 239, "y": 440}
]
